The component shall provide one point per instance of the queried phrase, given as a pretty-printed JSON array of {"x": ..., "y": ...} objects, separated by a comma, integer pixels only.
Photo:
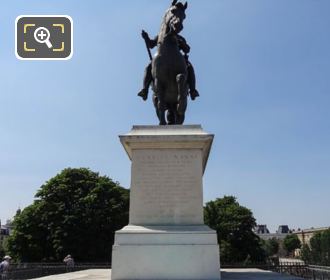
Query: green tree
[
  {"x": 75, "y": 212},
  {"x": 320, "y": 248},
  {"x": 2, "y": 250},
  {"x": 234, "y": 225},
  {"x": 291, "y": 242},
  {"x": 316, "y": 248},
  {"x": 271, "y": 246},
  {"x": 325, "y": 244},
  {"x": 305, "y": 253}
]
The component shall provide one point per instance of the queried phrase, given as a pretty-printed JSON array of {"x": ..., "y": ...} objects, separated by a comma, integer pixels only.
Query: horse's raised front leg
[
  {"x": 181, "y": 80},
  {"x": 161, "y": 106}
]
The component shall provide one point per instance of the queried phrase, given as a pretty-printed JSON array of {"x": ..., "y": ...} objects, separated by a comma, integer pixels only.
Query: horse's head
[{"x": 175, "y": 16}]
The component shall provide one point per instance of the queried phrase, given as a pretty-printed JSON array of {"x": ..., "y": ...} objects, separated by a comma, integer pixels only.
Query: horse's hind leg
[
  {"x": 155, "y": 101},
  {"x": 181, "y": 80},
  {"x": 171, "y": 115},
  {"x": 180, "y": 119},
  {"x": 161, "y": 111},
  {"x": 161, "y": 106},
  {"x": 182, "y": 97}
]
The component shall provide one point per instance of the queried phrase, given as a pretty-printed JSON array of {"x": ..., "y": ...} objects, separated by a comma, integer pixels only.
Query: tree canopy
[
  {"x": 291, "y": 242},
  {"x": 271, "y": 246},
  {"x": 76, "y": 212},
  {"x": 2, "y": 250},
  {"x": 318, "y": 252},
  {"x": 234, "y": 225}
]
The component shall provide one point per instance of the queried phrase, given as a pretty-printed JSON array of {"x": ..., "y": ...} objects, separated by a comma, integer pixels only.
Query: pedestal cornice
[{"x": 168, "y": 137}]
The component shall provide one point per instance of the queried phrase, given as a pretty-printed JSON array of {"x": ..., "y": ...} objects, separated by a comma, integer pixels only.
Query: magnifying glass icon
[{"x": 41, "y": 35}]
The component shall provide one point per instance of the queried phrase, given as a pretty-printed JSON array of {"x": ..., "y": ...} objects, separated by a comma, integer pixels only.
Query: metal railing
[
  {"x": 319, "y": 272},
  {"x": 292, "y": 268},
  {"x": 298, "y": 269}
]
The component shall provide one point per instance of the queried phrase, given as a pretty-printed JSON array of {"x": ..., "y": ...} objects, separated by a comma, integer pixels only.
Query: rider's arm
[{"x": 153, "y": 42}]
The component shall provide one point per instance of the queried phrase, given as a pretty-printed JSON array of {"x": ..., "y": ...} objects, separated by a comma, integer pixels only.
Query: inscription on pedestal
[{"x": 166, "y": 187}]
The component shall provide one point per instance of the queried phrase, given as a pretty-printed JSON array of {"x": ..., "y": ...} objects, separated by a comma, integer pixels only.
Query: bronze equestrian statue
[{"x": 170, "y": 73}]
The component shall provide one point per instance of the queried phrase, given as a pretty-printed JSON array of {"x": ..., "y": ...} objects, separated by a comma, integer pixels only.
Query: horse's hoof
[{"x": 162, "y": 123}]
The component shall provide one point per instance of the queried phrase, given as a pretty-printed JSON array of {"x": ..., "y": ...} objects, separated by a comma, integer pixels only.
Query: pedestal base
[
  {"x": 166, "y": 238},
  {"x": 166, "y": 252}
]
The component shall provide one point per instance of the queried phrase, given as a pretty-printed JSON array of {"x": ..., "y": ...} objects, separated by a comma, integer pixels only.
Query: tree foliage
[
  {"x": 291, "y": 242},
  {"x": 271, "y": 246},
  {"x": 2, "y": 250},
  {"x": 305, "y": 253},
  {"x": 75, "y": 212},
  {"x": 234, "y": 225},
  {"x": 319, "y": 250}
]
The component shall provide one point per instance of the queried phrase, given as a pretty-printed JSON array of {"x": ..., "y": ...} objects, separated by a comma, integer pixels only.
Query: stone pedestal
[{"x": 166, "y": 237}]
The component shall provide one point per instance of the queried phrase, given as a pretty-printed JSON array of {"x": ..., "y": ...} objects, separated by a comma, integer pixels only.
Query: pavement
[
  {"x": 226, "y": 274},
  {"x": 88, "y": 274}
]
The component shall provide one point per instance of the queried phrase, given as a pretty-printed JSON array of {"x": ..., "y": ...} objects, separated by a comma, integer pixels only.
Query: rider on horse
[
  {"x": 170, "y": 73},
  {"x": 147, "y": 79}
]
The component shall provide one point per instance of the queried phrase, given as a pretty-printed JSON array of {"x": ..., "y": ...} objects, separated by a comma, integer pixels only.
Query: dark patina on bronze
[{"x": 170, "y": 73}]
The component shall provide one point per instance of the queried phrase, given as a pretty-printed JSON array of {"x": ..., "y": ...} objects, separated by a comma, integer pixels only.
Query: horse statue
[{"x": 169, "y": 72}]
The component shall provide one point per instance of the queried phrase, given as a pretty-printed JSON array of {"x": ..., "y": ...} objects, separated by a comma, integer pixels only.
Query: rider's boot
[
  {"x": 192, "y": 82},
  {"x": 147, "y": 79}
]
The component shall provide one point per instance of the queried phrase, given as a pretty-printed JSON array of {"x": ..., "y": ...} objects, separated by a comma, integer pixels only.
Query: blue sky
[{"x": 262, "y": 71}]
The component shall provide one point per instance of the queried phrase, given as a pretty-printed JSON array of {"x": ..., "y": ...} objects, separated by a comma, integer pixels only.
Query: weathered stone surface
[
  {"x": 166, "y": 187},
  {"x": 167, "y": 169}
]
